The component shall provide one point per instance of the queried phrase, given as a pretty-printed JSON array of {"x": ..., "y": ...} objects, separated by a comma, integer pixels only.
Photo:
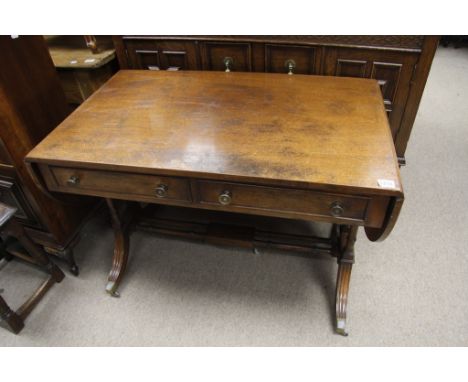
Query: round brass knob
[
  {"x": 161, "y": 191},
  {"x": 336, "y": 209},
  {"x": 225, "y": 198},
  {"x": 73, "y": 180}
]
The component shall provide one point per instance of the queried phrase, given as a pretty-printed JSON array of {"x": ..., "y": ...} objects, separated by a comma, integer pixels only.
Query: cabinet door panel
[
  {"x": 393, "y": 71},
  {"x": 277, "y": 56},
  {"x": 214, "y": 54},
  {"x": 388, "y": 76},
  {"x": 161, "y": 55},
  {"x": 177, "y": 55},
  {"x": 142, "y": 54},
  {"x": 351, "y": 68}
]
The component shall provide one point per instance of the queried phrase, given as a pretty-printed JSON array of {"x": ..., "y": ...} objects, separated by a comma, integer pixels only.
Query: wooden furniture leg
[
  {"x": 34, "y": 252},
  {"x": 14, "y": 321},
  {"x": 18, "y": 244},
  {"x": 346, "y": 240},
  {"x": 121, "y": 214},
  {"x": 66, "y": 255}
]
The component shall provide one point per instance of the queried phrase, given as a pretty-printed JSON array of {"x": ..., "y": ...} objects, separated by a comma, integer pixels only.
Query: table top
[
  {"x": 303, "y": 130},
  {"x": 70, "y": 52}
]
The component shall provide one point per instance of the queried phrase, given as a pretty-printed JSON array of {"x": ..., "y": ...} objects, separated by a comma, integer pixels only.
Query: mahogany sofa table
[{"x": 307, "y": 148}]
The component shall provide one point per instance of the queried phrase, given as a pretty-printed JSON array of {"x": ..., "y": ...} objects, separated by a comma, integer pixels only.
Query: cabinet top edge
[{"x": 388, "y": 42}]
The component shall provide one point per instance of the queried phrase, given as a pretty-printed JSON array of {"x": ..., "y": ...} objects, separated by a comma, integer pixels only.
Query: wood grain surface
[{"x": 311, "y": 131}]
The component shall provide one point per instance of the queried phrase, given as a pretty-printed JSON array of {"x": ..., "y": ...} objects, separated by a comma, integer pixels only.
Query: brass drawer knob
[
  {"x": 73, "y": 180},
  {"x": 336, "y": 209},
  {"x": 228, "y": 61},
  {"x": 161, "y": 191},
  {"x": 290, "y": 66},
  {"x": 225, "y": 198}
]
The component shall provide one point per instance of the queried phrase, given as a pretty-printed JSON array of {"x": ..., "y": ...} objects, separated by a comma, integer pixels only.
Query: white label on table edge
[{"x": 386, "y": 183}]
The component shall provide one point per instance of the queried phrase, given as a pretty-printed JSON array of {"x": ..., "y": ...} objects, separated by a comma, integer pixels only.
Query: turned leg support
[{"x": 346, "y": 237}]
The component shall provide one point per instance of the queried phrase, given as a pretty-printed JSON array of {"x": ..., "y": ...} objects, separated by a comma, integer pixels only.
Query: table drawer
[
  {"x": 107, "y": 183},
  {"x": 296, "y": 202}
]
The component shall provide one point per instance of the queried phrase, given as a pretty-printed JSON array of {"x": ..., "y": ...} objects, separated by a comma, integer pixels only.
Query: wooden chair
[{"x": 16, "y": 243}]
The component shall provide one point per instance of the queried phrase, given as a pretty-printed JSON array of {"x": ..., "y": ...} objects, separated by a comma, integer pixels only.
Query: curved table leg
[
  {"x": 121, "y": 247},
  {"x": 119, "y": 261},
  {"x": 342, "y": 288},
  {"x": 347, "y": 239}
]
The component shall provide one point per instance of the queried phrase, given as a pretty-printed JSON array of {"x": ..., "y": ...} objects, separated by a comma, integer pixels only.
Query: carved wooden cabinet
[
  {"x": 393, "y": 70},
  {"x": 400, "y": 63},
  {"x": 32, "y": 104}
]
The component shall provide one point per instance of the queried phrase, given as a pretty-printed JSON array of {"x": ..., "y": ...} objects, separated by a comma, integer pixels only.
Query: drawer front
[
  {"x": 287, "y": 58},
  {"x": 152, "y": 188},
  {"x": 220, "y": 55},
  {"x": 295, "y": 202}
]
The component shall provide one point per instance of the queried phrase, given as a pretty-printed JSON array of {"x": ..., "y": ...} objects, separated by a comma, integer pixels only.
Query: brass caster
[
  {"x": 111, "y": 288},
  {"x": 340, "y": 328}
]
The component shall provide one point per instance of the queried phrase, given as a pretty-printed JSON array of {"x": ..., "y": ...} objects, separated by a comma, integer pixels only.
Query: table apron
[{"x": 294, "y": 203}]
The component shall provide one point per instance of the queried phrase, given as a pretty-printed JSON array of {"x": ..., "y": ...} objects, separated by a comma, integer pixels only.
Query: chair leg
[
  {"x": 34, "y": 254},
  {"x": 40, "y": 257},
  {"x": 14, "y": 321}
]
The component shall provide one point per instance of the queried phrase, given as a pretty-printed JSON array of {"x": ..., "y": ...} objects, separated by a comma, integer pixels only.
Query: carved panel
[
  {"x": 174, "y": 60},
  {"x": 277, "y": 55},
  {"x": 388, "y": 76},
  {"x": 178, "y": 55},
  {"x": 216, "y": 52},
  {"x": 351, "y": 68},
  {"x": 147, "y": 59}
]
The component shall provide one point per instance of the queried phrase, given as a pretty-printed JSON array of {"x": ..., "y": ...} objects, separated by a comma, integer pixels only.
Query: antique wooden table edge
[{"x": 345, "y": 205}]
